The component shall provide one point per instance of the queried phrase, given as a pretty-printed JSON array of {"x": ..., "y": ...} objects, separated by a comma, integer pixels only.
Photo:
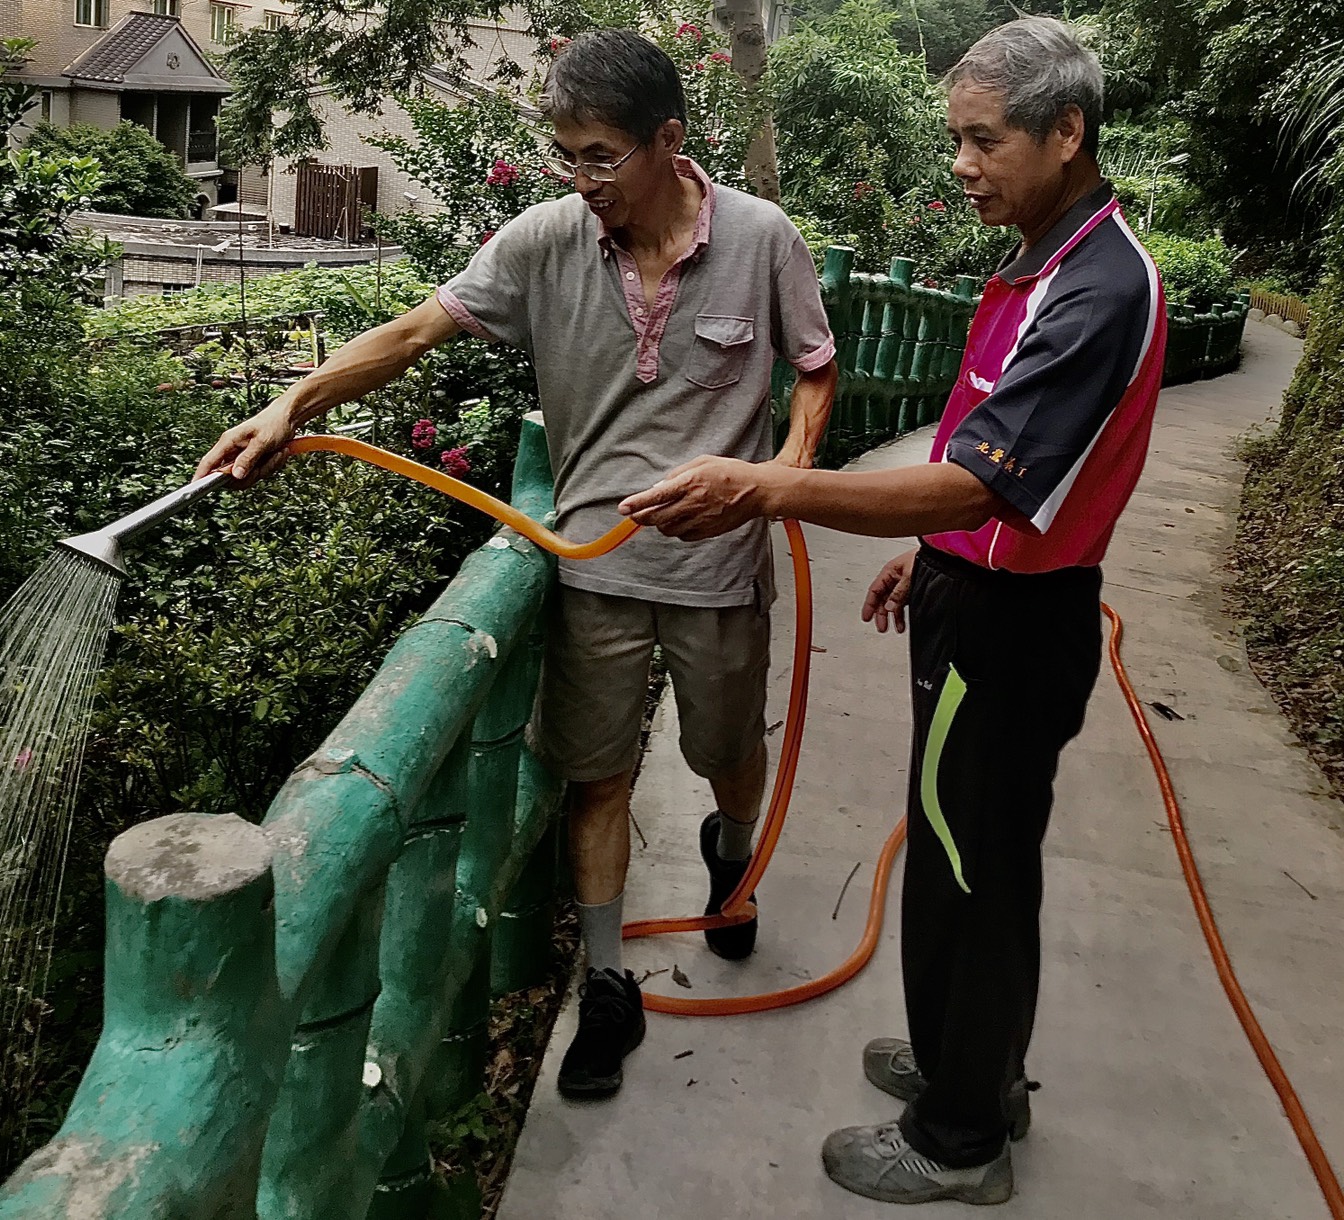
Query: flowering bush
[
  {"x": 716, "y": 103},
  {"x": 454, "y": 150},
  {"x": 503, "y": 174},
  {"x": 454, "y": 462}
]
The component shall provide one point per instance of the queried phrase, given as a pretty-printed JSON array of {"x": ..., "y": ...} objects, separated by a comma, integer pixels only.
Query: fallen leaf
[
  {"x": 1167, "y": 713},
  {"x": 816, "y": 648},
  {"x": 683, "y": 1054},
  {"x": 680, "y": 979}
]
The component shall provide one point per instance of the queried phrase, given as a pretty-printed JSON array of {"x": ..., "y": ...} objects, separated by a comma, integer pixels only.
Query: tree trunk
[{"x": 746, "y": 32}]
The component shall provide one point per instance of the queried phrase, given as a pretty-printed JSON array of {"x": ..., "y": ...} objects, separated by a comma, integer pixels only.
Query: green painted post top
[
  {"x": 837, "y": 268},
  {"x": 965, "y": 287},
  {"x": 903, "y": 271}
]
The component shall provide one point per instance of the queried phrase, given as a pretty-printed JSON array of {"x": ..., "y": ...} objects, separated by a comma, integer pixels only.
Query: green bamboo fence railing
[
  {"x": 899, "y": 347},
  {"x": 285, "y": 1005}
]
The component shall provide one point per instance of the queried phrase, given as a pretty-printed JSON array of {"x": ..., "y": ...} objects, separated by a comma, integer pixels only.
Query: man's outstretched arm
[
  {"x": 711, "y": 496},
  {"x": 367, "y": 363}
]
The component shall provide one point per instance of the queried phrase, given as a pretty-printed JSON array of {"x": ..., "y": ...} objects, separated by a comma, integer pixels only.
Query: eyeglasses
[{"x": 594, "y": 171}]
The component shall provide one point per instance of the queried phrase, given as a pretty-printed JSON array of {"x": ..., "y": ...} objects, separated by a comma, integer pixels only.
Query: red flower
[
  {"x": 503, "y": 174},
  {"x": 558, "y": 45},
  {"x": 455, "y": 463},
  {"x": 423, "y": 433},
  {"x": 712, "y": 141},
  {"x": 720, "y": 58},
  {"x": 698, "y": 67},
  {"x": 930, "y": 283},
  {"x": 487, "y": 235},
  {"x": 688, "y": 28},
  {"x": 863, "y": 188},
  {"x": 938, "y": 206}
]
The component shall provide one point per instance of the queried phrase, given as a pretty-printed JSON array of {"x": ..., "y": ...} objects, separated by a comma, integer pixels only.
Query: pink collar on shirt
[{"x": 686, "y": 168}]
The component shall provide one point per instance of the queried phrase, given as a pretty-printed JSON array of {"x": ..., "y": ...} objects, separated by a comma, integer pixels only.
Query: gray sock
[
  {"x": 735, "y": 838},
  {"x": 600, "y": 927}
]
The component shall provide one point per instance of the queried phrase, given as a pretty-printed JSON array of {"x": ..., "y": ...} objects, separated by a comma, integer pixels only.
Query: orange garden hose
[
  {"x": 737, "y": 908},
  {"x": 1269, "y": 1061}
]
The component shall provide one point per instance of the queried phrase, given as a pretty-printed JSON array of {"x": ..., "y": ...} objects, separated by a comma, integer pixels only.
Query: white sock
[
  {"x": 600, "y": 927},
  {"x": 735, "y": 838}
]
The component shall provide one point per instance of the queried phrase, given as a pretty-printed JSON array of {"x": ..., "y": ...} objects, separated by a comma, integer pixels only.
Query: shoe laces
[
  {"x": 890, "y": 1140},
  {"x": 602, "y": 1006}
]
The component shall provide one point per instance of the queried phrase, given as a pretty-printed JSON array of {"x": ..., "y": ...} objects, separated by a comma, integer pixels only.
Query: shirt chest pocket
[{"x": 719, "y": 352}]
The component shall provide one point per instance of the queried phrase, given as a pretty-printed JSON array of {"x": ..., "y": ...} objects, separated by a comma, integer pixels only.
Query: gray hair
[{"x": 1041, "y": 68}]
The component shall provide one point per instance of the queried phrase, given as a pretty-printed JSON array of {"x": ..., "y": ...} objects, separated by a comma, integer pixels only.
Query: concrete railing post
[{"x": 193, "y": 1037}]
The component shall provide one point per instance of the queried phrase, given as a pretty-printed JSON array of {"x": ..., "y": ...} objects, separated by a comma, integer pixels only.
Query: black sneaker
[
  {"x": 611, "y": 1025},
  {"x": 738, "y": 941}
]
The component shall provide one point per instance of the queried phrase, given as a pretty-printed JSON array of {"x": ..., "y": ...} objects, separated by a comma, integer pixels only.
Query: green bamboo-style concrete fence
[
  {"x": 899, "y": 347},
  {"x": 286, "y": 1004},
  {"x": 1202, "y": 345}
]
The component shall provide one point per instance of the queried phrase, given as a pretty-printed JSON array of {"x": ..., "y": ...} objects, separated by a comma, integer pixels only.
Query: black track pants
[{"x": 1002, "y": 669}]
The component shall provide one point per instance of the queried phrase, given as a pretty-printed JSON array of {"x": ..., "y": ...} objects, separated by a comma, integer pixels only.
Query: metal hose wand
[{"x": 104, "y": 546}]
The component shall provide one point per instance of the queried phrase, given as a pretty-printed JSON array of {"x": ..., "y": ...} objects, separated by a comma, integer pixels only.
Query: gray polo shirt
[{"x": 629, "y": 392}]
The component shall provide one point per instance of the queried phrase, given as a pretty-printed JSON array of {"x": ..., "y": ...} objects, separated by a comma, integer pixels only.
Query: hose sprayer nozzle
[{"x": 104, "y": 546}]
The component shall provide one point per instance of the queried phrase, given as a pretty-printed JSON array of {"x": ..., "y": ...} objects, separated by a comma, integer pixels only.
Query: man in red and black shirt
[{"x": 1039, "y": 449}]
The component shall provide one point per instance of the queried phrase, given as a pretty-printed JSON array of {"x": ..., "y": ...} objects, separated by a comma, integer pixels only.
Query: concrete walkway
[{"x": 1152, "y": 1103}]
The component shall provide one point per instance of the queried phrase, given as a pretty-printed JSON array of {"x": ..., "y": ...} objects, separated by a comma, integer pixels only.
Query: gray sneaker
[
  {"x": 890, "y": 1064},
  {"x": 878, "y": 1163}
]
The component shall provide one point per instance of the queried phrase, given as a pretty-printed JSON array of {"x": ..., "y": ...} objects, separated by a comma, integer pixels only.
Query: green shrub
[
  {"x": 1194, "y": 272},
  {"x": 1290, "y": 542},
  {"x": 352, "y": 299},
  {"x": 140, "y": 177}
]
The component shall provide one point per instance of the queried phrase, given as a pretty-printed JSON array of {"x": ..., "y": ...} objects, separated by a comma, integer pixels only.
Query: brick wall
[
  {"x": 52, "y": 23},
  {"x": 145, "y": 271},
  {"x": 96, "y": 106},
  {"x": 346, "y": 146}
]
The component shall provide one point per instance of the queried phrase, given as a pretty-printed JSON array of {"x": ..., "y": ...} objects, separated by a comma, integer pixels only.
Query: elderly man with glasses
[{"x": 654, "y": 305}]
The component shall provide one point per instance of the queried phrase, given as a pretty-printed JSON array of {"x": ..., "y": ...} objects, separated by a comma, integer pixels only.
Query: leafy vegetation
[
  {"x": 1290, "y": 541},
  {"x": 140, "y": 177},
  {"x": 41, "y": 262},
  {"x": 1194, "y": 272}
]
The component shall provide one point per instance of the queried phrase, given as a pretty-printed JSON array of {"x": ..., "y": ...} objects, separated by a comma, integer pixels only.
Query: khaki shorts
[{"x": 595, "y": 676}]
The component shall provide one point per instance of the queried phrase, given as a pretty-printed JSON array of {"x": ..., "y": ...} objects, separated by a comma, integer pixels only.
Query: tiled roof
[{"x": 122, "y": 47}]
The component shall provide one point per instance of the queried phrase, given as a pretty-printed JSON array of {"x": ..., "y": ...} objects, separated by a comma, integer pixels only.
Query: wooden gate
[{"x": 331, "y": 200}]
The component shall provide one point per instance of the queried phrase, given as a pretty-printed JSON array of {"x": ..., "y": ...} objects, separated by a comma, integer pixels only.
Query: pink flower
[
  {"x": 455, "y": 463},
  {"x": 712, "y": 141},
  {"x": 24, "y": 757},
  {"x": 503, "y": 174},
  {"x": 863, "y": 188},
  {"x": 698, "y": 67},
  {"x": 693, "y": 30},
  {"x": 938, "y": 206},
  {"x": 720, "y": 58},
  {"x": 558, "y": 44},
  {"x": 423, "y": 433},
  {"x": 487, "y": 235},
  {"x": 930, "y": 283}
]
